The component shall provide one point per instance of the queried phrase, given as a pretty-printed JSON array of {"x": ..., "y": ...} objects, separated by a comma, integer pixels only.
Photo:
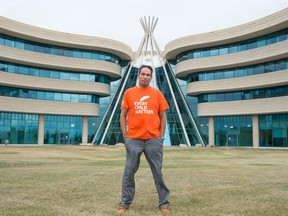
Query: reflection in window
[
  {"x": 42, "y": 95},
  {"x": 56, "y": 74},
  {"x": 239, "y": 72},
  {"x": 57, "y": 50},
  {"x": 246, "y": 95},
  {"x": 234, "y": 47}
]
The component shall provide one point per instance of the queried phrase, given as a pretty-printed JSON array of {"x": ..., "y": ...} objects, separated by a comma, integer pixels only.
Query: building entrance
[
  {"x": 64, "y": 138},
  {"x": 232, "y": 139}
]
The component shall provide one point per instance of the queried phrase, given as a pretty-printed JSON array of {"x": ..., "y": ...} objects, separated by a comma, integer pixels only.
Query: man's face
[{"x": 144, "y": 77}]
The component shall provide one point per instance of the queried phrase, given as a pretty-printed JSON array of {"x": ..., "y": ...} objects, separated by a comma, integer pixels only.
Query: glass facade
[
  {"x": 51, "y": 73},
  {"x": 93, "y": 123},
  {"x": 57, "y": 50},
  {"x": 62, "y": 129},
  {"x": 237, "y": 130},
  {"x": 273, "y": 130},
  {"x": 267, "y": 67},
  {"x": 252, "y": 43},
  {"x": 45, "y": 95},
  {"x": 18, "y": 128},
  {"x": 244, "y": 95},
  {"x": 58, "y": 129},
  {"x": 233, "y": 131}
]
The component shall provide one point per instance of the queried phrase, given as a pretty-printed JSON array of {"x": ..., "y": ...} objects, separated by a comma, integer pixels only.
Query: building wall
[
  {"x": 43, "y": 98},
  {"x": 239, "y": 74}
]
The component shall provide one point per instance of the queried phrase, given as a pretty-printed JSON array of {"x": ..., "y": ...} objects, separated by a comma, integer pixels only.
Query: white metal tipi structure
[{"x": 181, "y": 127}]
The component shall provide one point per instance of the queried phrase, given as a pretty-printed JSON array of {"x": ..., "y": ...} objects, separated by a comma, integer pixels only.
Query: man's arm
[
  {"x": 123, "y": 117},
  {"x": 162, "y": 116}
]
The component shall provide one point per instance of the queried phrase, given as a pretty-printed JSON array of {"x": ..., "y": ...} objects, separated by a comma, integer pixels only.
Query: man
[{"x": 143, "y": 122}]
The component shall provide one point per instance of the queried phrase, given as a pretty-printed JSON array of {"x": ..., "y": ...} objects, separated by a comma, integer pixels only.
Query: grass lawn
[{"x": 86, "y": 181}]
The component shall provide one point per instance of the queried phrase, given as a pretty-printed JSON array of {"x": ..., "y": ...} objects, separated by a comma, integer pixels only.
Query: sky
[{"x": 119, "y": 19}]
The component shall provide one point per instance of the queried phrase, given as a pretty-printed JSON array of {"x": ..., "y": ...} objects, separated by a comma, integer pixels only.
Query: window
[
  {"x": 271, "y": 38},
  {"x": 259, "y": 69},
  {"x": 219, "y": 75},
  {"x": 84, "y": 77},
  {"x": 223, "y": 50},
  {"x": 48, "y": 50},
  {"x": 280, "y": 65},
  {"x": 1, "y": 39},
  {"x": 49, "y": 96},
  {"x": 87, "y": 55},
  {"x": 58, "y": 51},
  {"x": 66, "y": 97},
  {"x": 205, "y": 53},
  {"x": 214, "y": 52},
  {"x": 23, "y": 70},
  {"x": 269, "y": 67},
  {"x": 29, "y": 47},
  {"x": 251, "y": 44},
  {"x": 54, "y": 74},
  {"x": 9, "y": 41},
  {"x": 19, "y": 44},
  {"x": 44, "y": 73},
  {"x": 34, "y": 72},
  {"x": 197, "y": 54},
  {"x": 228, "y": 74},
  {"x": 242, "y": 46},
  {"x": 74, "y": 76},
  {"x": 64, "y": 75},
  {"x": 239, "y": 73},
  {"x": 39, "y": 48},
  {"x": 261, "y": 41},
  {"x": 232, "y": 49}
]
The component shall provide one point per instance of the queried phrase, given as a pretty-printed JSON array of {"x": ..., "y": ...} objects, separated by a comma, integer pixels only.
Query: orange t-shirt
[{"x": 144, "y": 105}]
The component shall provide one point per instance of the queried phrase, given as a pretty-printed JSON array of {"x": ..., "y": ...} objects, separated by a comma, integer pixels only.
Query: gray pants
[{"x": 153, "y": 150}]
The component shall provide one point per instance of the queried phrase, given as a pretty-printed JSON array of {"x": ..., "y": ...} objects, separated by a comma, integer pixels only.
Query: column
[
  {"x": 255, "y": 131},
  {"x": 211, "y": 131},
  {"x": 41, "y": 121},
  {"x": 84, "y": 130}
]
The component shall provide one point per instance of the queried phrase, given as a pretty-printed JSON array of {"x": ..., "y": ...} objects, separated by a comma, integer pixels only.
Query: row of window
[
  {"x": 239, "y": 72},
  {"x": 55, "y": 74},
  {"x": 57, "y": 50},
  {"x": 9, "y": 121},
  {"x": 237, "y": 130},
  {"x": 244, "y": 95},
  {"x": 18, "y": 116},
  {"x": 19, "y": 128},
  {"x": 44, "y": 95},
  {"x": 253, "y": 43}
]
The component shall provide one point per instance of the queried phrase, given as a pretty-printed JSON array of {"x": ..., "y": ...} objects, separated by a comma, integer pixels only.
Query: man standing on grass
[{"x": 143, "y": 123}]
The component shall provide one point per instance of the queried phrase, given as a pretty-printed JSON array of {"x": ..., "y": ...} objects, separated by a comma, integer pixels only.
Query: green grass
[{"x": 86, "y": 181}]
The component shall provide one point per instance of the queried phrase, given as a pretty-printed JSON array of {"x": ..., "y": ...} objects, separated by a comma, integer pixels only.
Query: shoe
[
  {"x": 164, "y": 210},
  {"x": 121, "y": 210}
]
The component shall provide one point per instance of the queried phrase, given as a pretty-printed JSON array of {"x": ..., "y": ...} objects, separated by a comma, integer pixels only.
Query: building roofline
[
  {"x": 262, "y": 26},
  {"x": 46, "y": 36}
]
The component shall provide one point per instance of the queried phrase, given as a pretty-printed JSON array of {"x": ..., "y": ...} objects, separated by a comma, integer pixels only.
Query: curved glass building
[
  {"x": 51, "y": 83},
  {"x": 56, "y": 88},
  {"x": 239, "y": 77}
]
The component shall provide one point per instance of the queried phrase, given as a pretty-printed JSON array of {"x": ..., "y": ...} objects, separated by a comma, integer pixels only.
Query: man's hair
[{"x": 146, "y": 66}]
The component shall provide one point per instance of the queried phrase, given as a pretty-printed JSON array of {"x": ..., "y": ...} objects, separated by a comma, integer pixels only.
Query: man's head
[{"x": 145, "y": 75}]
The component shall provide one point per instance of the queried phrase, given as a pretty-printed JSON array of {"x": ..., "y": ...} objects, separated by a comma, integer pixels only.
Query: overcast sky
[{"x": 119, "y": 19}]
